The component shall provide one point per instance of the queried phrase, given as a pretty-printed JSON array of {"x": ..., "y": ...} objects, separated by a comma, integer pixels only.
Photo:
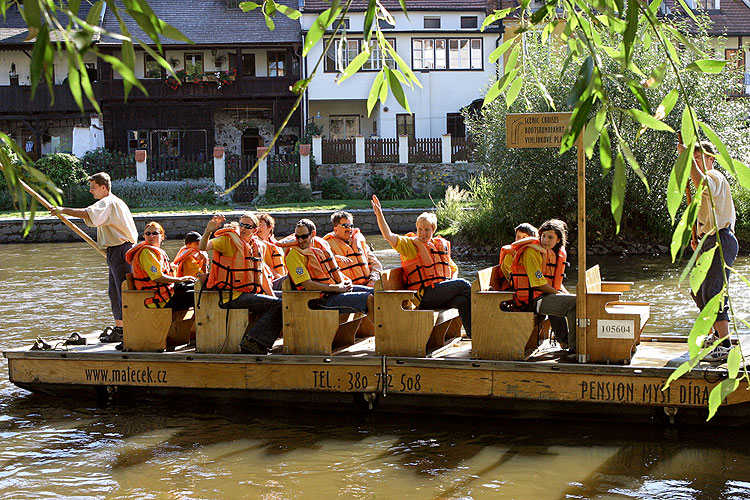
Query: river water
[{"x": 195, "y": 449}]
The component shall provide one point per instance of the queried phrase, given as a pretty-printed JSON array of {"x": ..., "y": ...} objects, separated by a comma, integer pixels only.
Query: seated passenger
[
  {"x": 507, "y": 252},
  {"x": 190, "y": 261},
  {"x": 237, "y": 267},
  {"x": 538, "y": 270},
  {"x": 152, "y": 270},
  {"x": 428, "y": 267},
  {"x": 351, "y": 250},
  {"x": 274, "y": 257},
  {"x": 312, "y": 266}
]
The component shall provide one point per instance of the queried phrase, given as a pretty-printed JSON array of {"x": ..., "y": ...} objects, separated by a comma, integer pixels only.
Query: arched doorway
[{"x": 251, "y": 141}]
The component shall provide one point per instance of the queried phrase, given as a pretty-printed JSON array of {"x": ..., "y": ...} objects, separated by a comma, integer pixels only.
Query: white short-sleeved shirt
[
  {"x": 725, "y": 213},
  {"x": 113, "y": 221}
]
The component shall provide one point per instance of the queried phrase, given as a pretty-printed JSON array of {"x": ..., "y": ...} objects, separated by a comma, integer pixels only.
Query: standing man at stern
[{"x": 115, "y": 232}]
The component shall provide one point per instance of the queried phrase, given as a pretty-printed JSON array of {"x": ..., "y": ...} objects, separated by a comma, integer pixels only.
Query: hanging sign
[{"x": 535, "y": 130}]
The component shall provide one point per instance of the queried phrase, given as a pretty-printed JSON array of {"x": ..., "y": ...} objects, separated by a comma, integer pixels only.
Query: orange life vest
[
  {"x": 277, "y": 256},
  {"x": 321, "y": 263},
  {"x": 359, "y": 270},
  {"x": 162, "y": 292},
  {"x": 553, "y": 269},
  {"x": 430, "y": 266},
  {"x": 187, "y": 255},
  {"x": 245, "y": 271}
]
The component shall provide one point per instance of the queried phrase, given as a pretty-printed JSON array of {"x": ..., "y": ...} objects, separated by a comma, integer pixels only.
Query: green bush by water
[
  {"x": 390, "y": 188},
  {"x": 292, "y": 193}
]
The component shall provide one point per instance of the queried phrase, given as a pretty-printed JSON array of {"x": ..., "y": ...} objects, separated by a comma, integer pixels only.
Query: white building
[{"x": 442, "y": 43}]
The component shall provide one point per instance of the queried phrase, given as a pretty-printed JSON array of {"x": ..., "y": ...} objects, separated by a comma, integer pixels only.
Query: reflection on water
[{"x": 196, "y": 449}]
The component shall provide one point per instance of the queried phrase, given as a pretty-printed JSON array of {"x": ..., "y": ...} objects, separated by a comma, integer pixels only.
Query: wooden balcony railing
[
  {"x": 16, "y": 99},
  {"x": 240, "y": 88}
]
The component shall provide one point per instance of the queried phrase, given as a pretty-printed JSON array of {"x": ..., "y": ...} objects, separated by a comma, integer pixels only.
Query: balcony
[
  {"x": 241, "y": 88},
  {"x": 16, "y": 100}
]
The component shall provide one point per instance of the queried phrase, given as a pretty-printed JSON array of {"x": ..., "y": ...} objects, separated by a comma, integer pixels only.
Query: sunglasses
[
  {"x": 151, "y": 233},
  {"x": 302, "y": 236},
  {"x": 247, "y": 226},
  {"x": 348, "y": 226}
]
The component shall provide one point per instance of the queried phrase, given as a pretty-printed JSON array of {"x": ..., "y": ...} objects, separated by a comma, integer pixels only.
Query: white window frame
[{"x": 426, "y": 54}]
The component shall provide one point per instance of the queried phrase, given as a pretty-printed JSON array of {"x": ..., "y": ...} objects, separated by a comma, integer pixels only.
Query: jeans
[
  {"x": 118, "y": 268},
  {"x": 714, "y": 281},
  {"x": 560, "y": 308},
  {"x": 354, "y": 301},
  {"x": 266, "y": 330},
  {"x": 448, "y": 294}
]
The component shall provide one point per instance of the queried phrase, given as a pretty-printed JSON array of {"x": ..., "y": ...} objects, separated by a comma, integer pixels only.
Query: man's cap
[{"x": 192, "y": 237}]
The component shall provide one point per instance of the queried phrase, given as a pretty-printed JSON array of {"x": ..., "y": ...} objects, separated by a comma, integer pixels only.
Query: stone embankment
[{"x": 50, "y": 229}]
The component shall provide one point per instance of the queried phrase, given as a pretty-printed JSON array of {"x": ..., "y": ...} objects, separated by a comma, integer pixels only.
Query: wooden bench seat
[
  {"x": 309, "y": 331},
  {"x": 215, "y": 333},
  {"x": 496, "y": 334},
  {"x": 615, "y": 326},
  {"x": 152, "y": 330},
  {"x": 402, "y": 330}
]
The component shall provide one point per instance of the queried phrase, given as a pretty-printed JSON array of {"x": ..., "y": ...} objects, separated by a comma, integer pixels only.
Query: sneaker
[
  {"x": 248, "y": 346},
  {"x": 709, "y": 340},
  {"x": 111, "y": 334},
  {"x": 720, "y": 353}
]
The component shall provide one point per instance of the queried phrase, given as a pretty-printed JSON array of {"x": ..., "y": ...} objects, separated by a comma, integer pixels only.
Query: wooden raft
[
  {"x": 497, "y": 334},
  {"x": 215, "y": 332},
  {"x": 401, "y": 330},
  {"x": 615, "y": 326},
  {"x": 152, "y": 330},
  {"x": 311, "y": 331}
]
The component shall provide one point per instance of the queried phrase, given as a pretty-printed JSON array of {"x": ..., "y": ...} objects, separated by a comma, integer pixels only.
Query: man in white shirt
[
  {"x": 716, "y": 211},
  {"x": 115, "y": 232}
]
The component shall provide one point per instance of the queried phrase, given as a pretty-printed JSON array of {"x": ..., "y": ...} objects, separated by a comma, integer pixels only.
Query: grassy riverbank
[{"x": 317, "y": 205}]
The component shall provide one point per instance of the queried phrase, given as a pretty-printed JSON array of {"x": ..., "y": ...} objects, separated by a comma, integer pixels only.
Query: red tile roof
[{"x": 732, "y": 18}]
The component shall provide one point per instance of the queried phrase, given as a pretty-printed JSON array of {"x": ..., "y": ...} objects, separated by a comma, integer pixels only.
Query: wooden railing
[
  {"x": 242, "y": 87},
  {"x": 381, "y": 150},
  {"x": 17, "y": 99},
  {"x": 120, "y": 167},
  {"x": 175, "y": 168},
  {"x": 338, "y": 151},
  {"x": 462, "y": 149},
  {"x": 425, "y": 150},
  {"x": 283, "y": 168}
]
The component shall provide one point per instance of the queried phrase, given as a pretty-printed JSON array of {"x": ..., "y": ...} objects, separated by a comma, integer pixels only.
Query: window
[
  {"x": 432, "y": 23},
  {"x": 168, "y": 143},
  {"x": 462, "y": 53},
  {"x": 736, "y": 58},
  {"x": 344, "y": 126},
  {"x": 277, "y": 64},
  {"x": 338, "y": 58},
  {"x": 428, "y": 53},
  {"x": 137, "y": 139},
  {"x": 405, "y": 125},
  {"x": 469, "y": 22},
  {"x": 151, "y": 68},
  {"x": 385, "y": 25},
  {"x": 248, "y": 64},
  {"x": 91, "y": 71},
  {"x": 194, "y": 64},
  {"x": 705, "y": 4},
  {"x": 455, "y": 125}
]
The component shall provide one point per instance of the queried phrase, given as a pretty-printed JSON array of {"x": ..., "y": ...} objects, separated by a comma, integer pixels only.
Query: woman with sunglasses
[
  {"x": 238, "y": 267},
  {"x": 152, "y": 270}
]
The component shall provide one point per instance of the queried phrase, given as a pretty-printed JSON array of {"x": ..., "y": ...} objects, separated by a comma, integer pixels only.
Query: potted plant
[{"x": 219, "y": 61}]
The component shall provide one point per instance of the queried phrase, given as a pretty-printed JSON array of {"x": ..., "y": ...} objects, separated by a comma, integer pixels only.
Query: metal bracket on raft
[{"x": 583, "y": 322}]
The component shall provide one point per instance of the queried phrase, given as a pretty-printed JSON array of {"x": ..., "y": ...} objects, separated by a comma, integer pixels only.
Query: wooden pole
[
  {"x": 67, "y": 222},
  {"x": 688, "y": 194},
  {"x": 581, "y": 313}
]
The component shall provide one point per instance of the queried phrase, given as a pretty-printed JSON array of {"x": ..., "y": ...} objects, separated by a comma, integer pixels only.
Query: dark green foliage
[
  {"x": 117, "y": 164},
  {"x": 292, "y": 193},
  {"x": 335, "y": 188},
  {"x": 390, "y": 188},
  {"x": 66, "y": 171}
]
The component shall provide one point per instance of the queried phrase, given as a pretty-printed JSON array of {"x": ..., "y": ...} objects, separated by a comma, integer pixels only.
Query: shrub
[
  {"x": 335, "y": 188},
  {"x": 66, "y": 171},
  {"x": 169, "y": 193},
  {"x": 390, "y": 188},
  {"x": 277, "y": 195}
]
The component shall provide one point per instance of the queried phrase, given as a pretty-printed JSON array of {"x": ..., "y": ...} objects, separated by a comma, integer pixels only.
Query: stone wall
[
  {"x": 51, "y": 229},
  {"x": 228, "y": 131},
  {"x": 422, "y": 177}
]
